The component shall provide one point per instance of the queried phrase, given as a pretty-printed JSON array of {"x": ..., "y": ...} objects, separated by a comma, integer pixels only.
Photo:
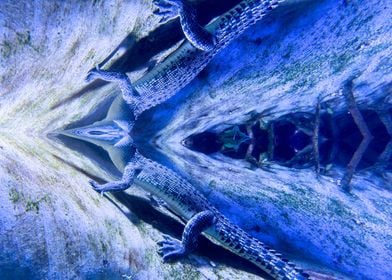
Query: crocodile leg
[
  {"x": 194, "y": 32},
  {"x": 172, "y": 248},
  {"x": 131, "y": 170},
  {"x": 363, "y": 128},
  {"x": 130, "y": 95}
]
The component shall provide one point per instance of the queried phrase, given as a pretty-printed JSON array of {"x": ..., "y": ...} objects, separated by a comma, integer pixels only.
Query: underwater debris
[{"x": 351, "y": 140}]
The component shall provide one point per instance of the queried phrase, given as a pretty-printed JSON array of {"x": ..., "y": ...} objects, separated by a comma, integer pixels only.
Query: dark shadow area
[
  {"x": 98, "y": 114},
  {"x": 91, "y": 151},
  {"x": 77, "y": 168},
  {"x": 379, "y": 142},
  {"x": 338, "y": 139},
  {"x": 18, "y": 271},
  {"x": 206, "y": 142}
]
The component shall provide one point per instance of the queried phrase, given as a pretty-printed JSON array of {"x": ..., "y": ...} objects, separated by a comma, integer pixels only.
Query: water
[{"x": 242, "y": 132}]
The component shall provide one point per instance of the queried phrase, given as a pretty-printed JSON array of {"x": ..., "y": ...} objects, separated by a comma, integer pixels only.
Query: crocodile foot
[
  {"x": 168, "y": 9},
  {"x": 97, "y": 187},
  {"x": 94, "y": 74},
  {"x": 108, "y": 187},
  {"x": 171, "y": 248}
]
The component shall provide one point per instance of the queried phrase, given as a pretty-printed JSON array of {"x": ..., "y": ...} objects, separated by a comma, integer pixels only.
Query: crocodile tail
[{"x": 239, "y": 242}]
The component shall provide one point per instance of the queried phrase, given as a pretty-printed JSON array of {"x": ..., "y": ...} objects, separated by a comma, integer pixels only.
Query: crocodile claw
[
  {"x": 97, "y": 187},
  {"x": 171, "y": 248},
  {"x": 93, "y": 74},
  {"x": 167, "y": 9}
]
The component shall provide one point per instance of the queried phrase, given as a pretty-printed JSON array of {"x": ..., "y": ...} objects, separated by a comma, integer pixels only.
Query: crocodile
[
  {"x": 185, "y": 63},
  {"x": 184, "y": 200},
  {"x": 181, "y": 197}
]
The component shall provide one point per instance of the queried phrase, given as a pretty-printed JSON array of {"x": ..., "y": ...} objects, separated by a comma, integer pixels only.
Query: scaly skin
[
  {"x": 184, "y": 64},
  {"x": 185, "y": 201}
]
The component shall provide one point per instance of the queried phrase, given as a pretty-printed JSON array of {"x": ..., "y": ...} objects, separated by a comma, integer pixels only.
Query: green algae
[
  {"x": 14, "y": 195},
  {"x": 34, "y": 204},
  {"x": 30, "y": 204}
]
